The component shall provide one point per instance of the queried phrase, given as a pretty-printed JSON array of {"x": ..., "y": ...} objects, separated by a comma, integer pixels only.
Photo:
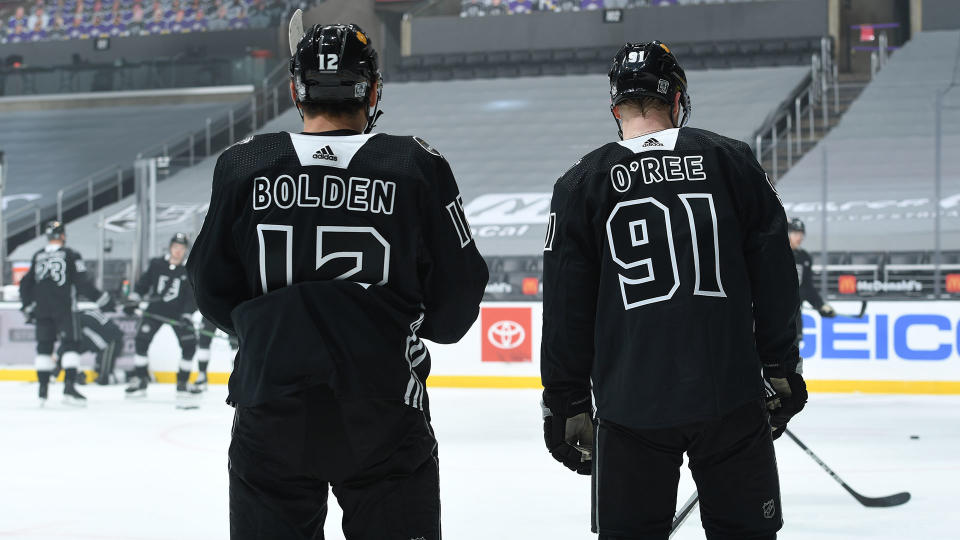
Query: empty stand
[
  {"x": 47, "y": 150},
  {"x": 507, "y": 140},
  {"x": 880, "y": 159}
]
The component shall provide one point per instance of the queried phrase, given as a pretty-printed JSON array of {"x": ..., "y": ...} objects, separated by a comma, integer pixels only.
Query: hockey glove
[
  {"x": 786, "y": 397},
  {"x": 106, "y": 303},
  {"x": 827, "y": 311},
  {"x": 187, "y": 320},
  {"x": 28, "y": 313},
  {"x": 130, "y": 304},
  {"x": 568, "y": 428}
]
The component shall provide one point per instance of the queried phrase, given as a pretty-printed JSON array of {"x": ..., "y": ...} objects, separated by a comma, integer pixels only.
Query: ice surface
[{"x": 144, "y": 471}]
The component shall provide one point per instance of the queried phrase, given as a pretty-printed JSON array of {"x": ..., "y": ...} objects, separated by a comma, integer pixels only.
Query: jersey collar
[
  {"x": 334, "y": 133},
  {"x": 665, "y": 139}
]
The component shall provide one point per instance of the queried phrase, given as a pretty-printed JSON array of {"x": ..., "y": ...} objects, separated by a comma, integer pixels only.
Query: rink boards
[{"x": 896, "y": 347}]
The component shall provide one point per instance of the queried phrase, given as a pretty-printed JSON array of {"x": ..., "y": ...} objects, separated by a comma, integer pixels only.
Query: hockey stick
[
  {"x": 863, "y": 310},
  {"x": 174, "y": 322},
  {"x": 872, "y": 502},
  {"x": 684, "y": 512},
  {"x": 295, "y": 30}
]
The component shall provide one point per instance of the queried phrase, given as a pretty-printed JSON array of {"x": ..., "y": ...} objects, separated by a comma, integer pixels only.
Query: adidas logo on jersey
[
  {"x": 652, "y": 142},
  {"x": 325, "y": 153}
]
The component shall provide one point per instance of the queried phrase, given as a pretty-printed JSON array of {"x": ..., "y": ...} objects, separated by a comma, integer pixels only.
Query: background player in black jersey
[
  {"x": 330, "y": 254},
  {"x": 169, "y": 298},
  {"x": 49, "y": 292},
  {"x": 804, "y": 263},
  {"x": 669, "y": 283},
  {"x": 204, "y": 340},
  {"x": 98, "y": 334}
]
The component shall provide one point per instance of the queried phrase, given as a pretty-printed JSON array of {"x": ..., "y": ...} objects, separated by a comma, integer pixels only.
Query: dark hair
[
  {"x": 335, "y": 109},
  {"x": 646, "y": 105}
]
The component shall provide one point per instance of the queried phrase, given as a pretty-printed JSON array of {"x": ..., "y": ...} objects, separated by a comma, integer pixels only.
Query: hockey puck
[{"x": 914, "y": 437}]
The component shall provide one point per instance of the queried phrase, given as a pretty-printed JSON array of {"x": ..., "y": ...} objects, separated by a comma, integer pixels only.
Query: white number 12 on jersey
[{"x": 357, "y": 254}]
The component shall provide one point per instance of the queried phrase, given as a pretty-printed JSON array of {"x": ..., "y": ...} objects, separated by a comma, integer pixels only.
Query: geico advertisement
[{"x": 893, "y": 340}]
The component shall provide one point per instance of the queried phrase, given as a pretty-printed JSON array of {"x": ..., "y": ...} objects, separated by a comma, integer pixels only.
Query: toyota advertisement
[{"x": 506, "y": 334}]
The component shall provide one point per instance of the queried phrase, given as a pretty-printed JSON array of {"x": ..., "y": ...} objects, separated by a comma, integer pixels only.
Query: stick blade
[
  {"x": 883, "y": 502},
  {"x": 295, "y": 30}
]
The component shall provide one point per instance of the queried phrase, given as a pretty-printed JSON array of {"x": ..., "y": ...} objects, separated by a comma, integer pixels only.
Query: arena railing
[
  {"x": 114, "y": 182},
  {"x": 782, "y": 131}
]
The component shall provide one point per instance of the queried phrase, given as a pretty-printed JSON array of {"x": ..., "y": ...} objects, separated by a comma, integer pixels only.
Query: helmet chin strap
[
  {"x": 374, "y": 113},
  {"x": 619, "y": 123}
]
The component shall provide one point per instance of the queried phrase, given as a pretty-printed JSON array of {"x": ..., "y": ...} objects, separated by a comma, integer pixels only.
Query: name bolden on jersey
[{"x": 357, "y": 194}]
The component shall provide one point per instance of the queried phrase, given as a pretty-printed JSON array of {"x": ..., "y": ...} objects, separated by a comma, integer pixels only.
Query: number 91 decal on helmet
[
  {"x": 334, "y": 63},
  {"x": 648, "y": 70}
]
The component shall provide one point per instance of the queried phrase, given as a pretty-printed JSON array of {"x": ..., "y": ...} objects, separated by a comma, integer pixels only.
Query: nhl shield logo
[{"x": 769, "y": 509}]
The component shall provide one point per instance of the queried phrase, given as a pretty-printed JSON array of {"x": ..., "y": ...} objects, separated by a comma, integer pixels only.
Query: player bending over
[
  {"x": 169, "y": 300},
  {"x": 669, "y": 283},
  {"x": 98, "y": 334},
  {"x": 49, "y": 293},
  {"x": 331, "y": 253}
]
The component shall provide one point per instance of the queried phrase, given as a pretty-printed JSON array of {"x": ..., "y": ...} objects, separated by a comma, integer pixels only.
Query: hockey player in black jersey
[
  {"x": 169, "y": 300},
  {"x": 98, "y": 334},
  {"x": 331, "y": 254},
  {"x": 49, "y": 292},
  {"x": 804, "y": 263},
  {"x": 670, "y": 296}
]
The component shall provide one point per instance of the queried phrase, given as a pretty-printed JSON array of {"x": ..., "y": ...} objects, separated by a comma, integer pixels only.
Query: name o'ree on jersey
[
  {"x": 656, "y": 169},
  {"x": 355, "y": 193}
]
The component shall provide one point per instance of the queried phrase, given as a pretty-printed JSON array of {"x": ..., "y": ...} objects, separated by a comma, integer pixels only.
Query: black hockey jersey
[
  {"x": 668, "y": 278},
  {"x": 330, "y": 255},
  {"x": 808, "y": 289},
  {"x": 56, "y": 278},
  {"x": 166, "y": 288}
]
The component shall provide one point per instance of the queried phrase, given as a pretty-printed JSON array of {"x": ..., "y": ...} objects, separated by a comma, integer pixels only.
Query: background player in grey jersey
[
  {"x": 670, "y": 295},
  {"x": 49, "y": 292},
  {"x": 330, "y": 254},
  {"x": 169, "y": 300},
  {"x": 804, "y": 263}
]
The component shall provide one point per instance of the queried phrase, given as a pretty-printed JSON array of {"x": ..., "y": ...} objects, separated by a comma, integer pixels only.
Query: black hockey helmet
[
  {"x": 336, "y": 63},
  {"x": 180, "y": 238},
  {"x": 796, "y": 225},
  {"x": 648, "y": 70},
  {"x": 54, "y": 229}
]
